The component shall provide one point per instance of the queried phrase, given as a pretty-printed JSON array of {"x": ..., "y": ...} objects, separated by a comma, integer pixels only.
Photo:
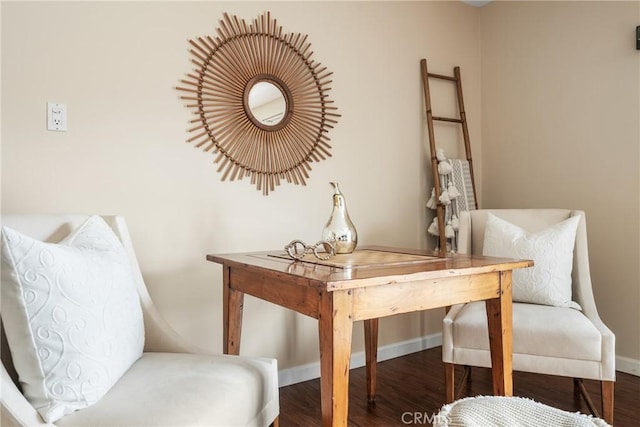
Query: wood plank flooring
[{"x": 411, "y": 389}]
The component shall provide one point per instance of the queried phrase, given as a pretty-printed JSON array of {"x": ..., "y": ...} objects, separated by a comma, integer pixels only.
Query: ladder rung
[
  {"x": 446, "y": 119},
  {"x": 440, "y": 76}
]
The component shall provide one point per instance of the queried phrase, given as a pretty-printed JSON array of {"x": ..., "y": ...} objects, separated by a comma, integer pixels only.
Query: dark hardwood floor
[{"x": 411, "y": 388}]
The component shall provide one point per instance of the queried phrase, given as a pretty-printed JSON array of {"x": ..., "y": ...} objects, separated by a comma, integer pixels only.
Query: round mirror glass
[{"x": 267, "y": 103}]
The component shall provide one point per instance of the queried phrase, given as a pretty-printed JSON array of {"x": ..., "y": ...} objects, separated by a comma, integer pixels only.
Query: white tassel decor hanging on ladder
[{"x": 431, "y": 203}]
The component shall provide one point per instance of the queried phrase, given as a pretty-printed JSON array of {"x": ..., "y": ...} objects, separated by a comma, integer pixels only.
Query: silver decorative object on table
[{"x": 339, "y": 228}]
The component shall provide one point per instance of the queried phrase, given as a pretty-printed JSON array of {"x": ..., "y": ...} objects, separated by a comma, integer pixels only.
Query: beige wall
[
  {"x": 560, "y": 128},
  {"x": 115, "y": 66}
]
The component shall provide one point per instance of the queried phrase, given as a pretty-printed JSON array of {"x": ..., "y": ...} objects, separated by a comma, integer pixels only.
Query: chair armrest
[
  {"x": 16, "y": 409},
  {"x": 582, "y": 287},
  {"x": 447, "y": 333},
  {"x": 608, "y": 349},
  {"x": 464, "y": 233}
]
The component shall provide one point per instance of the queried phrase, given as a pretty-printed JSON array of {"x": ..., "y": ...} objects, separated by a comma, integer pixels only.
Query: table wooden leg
[
  {"x": 499, "y": 316},
  {"x": 371, "y": 356},
  {"x": 335, "y": 326},
  {"x": 232, "y": 305}
]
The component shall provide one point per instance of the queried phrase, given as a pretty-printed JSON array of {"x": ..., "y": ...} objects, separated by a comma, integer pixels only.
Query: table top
[{"x": 367, "y": 266}]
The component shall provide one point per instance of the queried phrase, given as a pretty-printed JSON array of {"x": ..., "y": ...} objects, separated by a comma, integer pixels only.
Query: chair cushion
[
  {"x": 549, "y": 280},
  {"x": 72, "y": 315},
  {"x": 174, "y": 389},
  {"x": 537, "y": 330}
]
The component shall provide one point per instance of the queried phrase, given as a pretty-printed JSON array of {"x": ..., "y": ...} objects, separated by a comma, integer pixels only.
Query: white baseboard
[
  {"x": 628, "y": 365},
  {"x": 312, "y": 370}
]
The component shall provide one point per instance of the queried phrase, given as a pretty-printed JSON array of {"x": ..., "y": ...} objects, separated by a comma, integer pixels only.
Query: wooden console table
[{"x": 371, "y": 283}]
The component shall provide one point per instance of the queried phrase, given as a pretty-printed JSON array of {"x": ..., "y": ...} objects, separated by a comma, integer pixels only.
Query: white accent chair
[
  {"x": 174, "y": 383},
  {"x": 546, "y": 340}
]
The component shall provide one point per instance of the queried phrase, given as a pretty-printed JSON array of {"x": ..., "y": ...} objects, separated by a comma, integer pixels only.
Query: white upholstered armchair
[
  {"x": 168, "y": 383},
  {"x": 547, "y": 339}
]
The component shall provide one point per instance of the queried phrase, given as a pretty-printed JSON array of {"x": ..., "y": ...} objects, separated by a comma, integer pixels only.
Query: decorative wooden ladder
[{"x": 426, "y": 75}]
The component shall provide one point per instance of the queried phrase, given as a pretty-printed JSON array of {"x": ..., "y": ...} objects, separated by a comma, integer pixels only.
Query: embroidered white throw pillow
[
  {"x": 72, "y": 316},
  {"x": 548, "y": 282}
]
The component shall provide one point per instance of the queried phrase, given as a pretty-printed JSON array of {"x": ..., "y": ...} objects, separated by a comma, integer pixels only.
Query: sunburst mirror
[{"x": 260, "y": 102}]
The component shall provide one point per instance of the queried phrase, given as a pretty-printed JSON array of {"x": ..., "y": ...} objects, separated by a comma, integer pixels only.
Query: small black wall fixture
[{"x": 638, "y": 37}]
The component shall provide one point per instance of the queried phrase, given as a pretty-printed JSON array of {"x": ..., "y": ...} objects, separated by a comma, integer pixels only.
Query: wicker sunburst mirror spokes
[{"x": 261, "y": 102}]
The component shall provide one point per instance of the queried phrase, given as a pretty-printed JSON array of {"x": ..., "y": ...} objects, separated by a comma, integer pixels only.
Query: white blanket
[
  {"x": 461, "y": 176},
  {"x": 496, "y": 411}
]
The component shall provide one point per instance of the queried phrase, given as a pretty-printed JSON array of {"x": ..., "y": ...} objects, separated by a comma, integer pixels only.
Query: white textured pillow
[
  {"x": 72, "y": 315},
  {"x": 548, "y": 282}
]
